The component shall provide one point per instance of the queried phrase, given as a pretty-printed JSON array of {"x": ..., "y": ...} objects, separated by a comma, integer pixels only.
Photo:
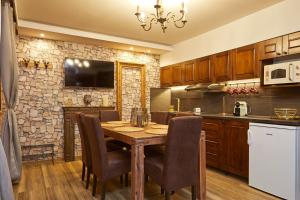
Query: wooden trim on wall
[{"x": 120, "y": 66}]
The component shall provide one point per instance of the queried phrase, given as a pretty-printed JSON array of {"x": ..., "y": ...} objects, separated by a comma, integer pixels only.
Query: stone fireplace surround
[{"x": 41, "y": 93}]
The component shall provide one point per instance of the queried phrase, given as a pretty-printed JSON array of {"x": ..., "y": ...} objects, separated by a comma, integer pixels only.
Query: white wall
[{"x": 279, "y": 19}]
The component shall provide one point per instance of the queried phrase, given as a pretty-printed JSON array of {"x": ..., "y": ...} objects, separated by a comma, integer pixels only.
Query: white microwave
[{"x": 282, "y": 73}]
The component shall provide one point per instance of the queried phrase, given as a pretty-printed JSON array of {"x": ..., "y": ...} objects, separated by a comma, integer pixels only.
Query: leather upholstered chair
[
  {"x": 106, "y": 165},
  {"x": 178, "y": 167},
  {"x": 86, "y": 152},
  {"x": 160, "y": 117},
  {"x": 109, "y": 115}
]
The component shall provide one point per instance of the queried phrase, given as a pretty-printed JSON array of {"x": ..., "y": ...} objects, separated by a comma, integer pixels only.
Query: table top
[{"x": 135, "y": 137}]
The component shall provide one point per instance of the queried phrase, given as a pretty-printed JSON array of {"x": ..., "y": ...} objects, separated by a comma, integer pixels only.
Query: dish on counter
[
  {"x": 285, "y": 113},
  {"x": 111, "y": 125}
]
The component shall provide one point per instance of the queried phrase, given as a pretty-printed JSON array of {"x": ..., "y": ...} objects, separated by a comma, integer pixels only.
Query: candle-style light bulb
[
  {"x": 182, "y": 5},
  {"x": 138, "y": 8}
]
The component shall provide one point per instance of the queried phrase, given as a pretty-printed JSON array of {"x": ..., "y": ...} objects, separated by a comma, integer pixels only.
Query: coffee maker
[{"x": 240, "y": 109}]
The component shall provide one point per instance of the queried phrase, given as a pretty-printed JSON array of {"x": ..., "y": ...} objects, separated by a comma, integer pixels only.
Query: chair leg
[
  {"x": 162, "y": 191},
  {"x": 88, "y": 177},
  {"x": 193, "y": 192},
  {"x": 94, "y": 185},
  {"x": 167, "y": 195},
  {"x": 126, "y": 180},
  {"x": 121, "y": 179},
  {"x": 83, "y": 172},
  {"x": 103, "y": 191}
]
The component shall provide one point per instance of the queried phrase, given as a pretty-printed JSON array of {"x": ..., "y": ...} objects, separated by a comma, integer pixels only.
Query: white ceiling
[{"x": 116, "y": 17}]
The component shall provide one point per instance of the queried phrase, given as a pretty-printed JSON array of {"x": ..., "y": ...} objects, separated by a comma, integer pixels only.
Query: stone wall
[{"x": 42, "y": 93}]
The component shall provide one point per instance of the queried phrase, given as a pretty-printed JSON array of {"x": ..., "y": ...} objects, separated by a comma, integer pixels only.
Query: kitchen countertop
[
  {"x": 250, "y": 118},
  {"x": 254, "y": 118}
]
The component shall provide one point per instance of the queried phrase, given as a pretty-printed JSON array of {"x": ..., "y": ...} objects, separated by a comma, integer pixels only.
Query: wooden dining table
[{"x": 138, "y": 140}]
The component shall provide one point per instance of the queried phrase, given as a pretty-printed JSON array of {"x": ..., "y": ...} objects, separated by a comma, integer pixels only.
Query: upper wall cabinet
[
  {"x": 270, "y": 48},
  {"x": 244, "y": 62},
  {"x": 291, "y": 43},
  {"x": 189, "y": 72},
  {"x": 203, "y": 70},
  {"x": 222, "y": 66},
  {"x": 280, "y": 46},
  {"x": 177, "y": 74},
  {"x": 166, "y": 76}
]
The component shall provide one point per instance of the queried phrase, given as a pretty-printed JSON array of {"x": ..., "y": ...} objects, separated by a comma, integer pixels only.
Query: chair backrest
[
  {"x": 109, "y": 115},
  {"x": 83, "y": 139},
  {"x": 160, "y": 117},
  {"x": 97, "y": 145},
  {"x": 182, "y": 153}
]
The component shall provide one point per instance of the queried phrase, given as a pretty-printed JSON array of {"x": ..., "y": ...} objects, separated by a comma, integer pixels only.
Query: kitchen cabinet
[
  {"x": 280, "y": 46},
  {"x": 177, "y": 74},
  {"x": 244, "y": 63},
  {"x": 189, "y": 72},
  {"x": 291, "y": 43},
  {"x": 213, "y": 132},
  {"x": 271, "y": 48},
  {"x": 222, "y": 66},
  {"x": 235, "y": 147},
  {"x": 166, "y": 76},
  {"x": 203, "y": 70},
  {"x": 226, "y": 145}
]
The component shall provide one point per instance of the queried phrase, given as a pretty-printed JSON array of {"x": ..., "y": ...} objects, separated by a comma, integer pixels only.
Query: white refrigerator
[{"x": 274, "y": 159}]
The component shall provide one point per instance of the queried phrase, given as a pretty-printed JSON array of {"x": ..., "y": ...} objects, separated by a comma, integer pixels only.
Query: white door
[{"x": 272, "y": 159}]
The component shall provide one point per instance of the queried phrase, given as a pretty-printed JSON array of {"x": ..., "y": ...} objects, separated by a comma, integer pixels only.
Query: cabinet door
[
  {"x": 271, "y": 48},
  {"x": 291, "y": 43},
  {"x": 189, "y": 72},
  {"x": 213, "y": 132},
  {"x": 222, "y": 66},
  {"x": 166, "y": 76},
  {"x": 203, "y": 70},
  {"x": 235, "y": 147},
  {"x": 244, "y": 63},
  {"x": 177, "y": 74}
]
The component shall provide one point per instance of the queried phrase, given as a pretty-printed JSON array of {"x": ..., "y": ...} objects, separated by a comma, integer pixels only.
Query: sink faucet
[{"x": 178, "y": 104}]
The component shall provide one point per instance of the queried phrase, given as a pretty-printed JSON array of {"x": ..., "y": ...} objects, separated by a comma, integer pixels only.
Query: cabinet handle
[
  {"x": 285, "y": 52},
  {"x": 278, "y": 53},
  {"x": 249, "y": 139},
  {"x": 270, "y": 134}
]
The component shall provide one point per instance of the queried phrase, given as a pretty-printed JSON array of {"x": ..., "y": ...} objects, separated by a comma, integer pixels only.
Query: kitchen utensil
[{"x": 285, "y": 113}]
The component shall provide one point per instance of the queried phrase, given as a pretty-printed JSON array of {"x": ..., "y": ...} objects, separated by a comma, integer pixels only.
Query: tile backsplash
[{"x": 261, "y": 104}]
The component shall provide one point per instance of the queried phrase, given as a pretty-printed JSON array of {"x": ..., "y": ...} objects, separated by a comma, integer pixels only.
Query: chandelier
[{"x": 161, "y": 17}]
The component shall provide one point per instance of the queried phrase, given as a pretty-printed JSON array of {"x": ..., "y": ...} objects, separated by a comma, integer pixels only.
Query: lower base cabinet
[{"x": 226, "y": 145}]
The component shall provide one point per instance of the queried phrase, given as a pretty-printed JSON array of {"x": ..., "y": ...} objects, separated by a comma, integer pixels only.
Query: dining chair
[
  {"x": 106, "y": 165},
  {"x": 178, "y": 167},
  {"x": 86, "y": 152},
  {"x": 160, "y": 117},
  {"x": 109, "y": 115}
]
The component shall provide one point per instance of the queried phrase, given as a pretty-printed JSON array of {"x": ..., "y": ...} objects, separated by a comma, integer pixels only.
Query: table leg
[
  {"x": 137, "y": 171},
  {"x": 201, "y": 191}
]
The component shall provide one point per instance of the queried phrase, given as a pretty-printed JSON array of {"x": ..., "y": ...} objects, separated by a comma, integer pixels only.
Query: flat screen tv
[{"x": 88, "y": 73}]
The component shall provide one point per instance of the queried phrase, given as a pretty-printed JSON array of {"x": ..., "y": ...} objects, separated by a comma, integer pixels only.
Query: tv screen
[{"x": 88, "y": 73}]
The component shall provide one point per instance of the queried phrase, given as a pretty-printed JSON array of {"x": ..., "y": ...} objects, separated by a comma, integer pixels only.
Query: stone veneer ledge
[{"x": 41, "y": 92}]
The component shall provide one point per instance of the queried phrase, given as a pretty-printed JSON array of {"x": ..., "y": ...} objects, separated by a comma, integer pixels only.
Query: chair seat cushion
[
  {"x": 154, "y": 168},
  {"x": 119, "y": 162}
]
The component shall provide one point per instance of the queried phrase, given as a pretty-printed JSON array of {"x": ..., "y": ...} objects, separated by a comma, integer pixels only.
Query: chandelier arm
[
  {"x": 180, "y": 26},
  {"x": 181, "y": 17},
  {"x": 150, "y": 24}
]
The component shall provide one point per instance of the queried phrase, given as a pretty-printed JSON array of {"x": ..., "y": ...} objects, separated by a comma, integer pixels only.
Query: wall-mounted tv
[{"x": 88, "y": 73}]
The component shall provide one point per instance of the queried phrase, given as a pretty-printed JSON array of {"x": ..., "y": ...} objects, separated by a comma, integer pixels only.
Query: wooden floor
[{"x": 62, "y": 181}]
